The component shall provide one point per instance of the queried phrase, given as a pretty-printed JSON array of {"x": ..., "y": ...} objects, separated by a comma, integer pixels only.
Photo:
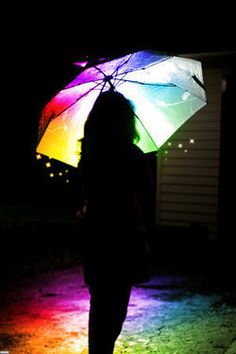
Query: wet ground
[
  {"x": 171, "y": 314},
  {"x": 188, "y": 307}
]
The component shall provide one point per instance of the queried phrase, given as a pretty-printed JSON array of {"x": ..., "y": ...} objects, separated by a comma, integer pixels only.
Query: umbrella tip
[{"x": 81, "y": 64}]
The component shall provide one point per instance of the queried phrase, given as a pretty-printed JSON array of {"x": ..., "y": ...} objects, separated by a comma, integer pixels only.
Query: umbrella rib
[
  {"x": 114, "y": 72},
  {"x": 109, "y": 77},
  {"x": 145, "y": 129},
  {"x": 117, "y": 81},
  {"x": 126, "y": 72},
  {"x": 65, "y": 109},
  {"x": 148, "y": 83},
  {"x": 142, "y": 68},
  {"x": 198, "y": 82},
  {"x": 122, "y": 80},
  {"x": 122, "y": 64},
  {"x": 128, "y": 59}
]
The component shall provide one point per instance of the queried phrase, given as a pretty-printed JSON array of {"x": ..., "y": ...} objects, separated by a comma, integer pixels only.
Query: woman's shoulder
[{"x": 136, "y": 152}]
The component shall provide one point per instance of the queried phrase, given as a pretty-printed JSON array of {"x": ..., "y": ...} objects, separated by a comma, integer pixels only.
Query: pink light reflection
[{"x": 52, "y": 313}]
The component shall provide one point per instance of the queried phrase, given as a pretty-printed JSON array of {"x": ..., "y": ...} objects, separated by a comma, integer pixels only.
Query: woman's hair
[{"x": 111, "y": 123}]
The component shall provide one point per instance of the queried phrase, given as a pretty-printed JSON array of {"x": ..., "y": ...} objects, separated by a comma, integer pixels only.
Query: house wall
[{"x": 188, "y": 166}]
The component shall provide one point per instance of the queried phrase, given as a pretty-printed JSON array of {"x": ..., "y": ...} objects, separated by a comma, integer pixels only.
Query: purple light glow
[{"x": 49, "y": 315}]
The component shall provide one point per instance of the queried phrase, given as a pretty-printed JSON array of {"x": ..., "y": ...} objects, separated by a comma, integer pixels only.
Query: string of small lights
[{"x": 55, "y": 170}]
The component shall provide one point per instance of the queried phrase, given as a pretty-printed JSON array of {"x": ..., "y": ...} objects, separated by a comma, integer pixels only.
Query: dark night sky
[{"x": 39, "y": 48}]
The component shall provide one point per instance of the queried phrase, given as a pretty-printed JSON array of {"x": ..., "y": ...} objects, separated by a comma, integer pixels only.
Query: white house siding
[{"x": 188, "y": 176}]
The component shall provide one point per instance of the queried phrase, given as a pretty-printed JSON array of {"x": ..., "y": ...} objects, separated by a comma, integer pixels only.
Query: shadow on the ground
[{"x": 39, "y": 244}]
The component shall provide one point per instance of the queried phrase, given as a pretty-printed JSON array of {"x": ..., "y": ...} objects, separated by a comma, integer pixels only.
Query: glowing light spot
[
  {"x": 60, "y": 173},
  {"x": 82, "y": 64},
  {"x": 185, "y": 96},
  {"x": 169, "y": 143},
  {"x": 185, "y": 150},
  {"x": 223, "y": 85},
  {"x": 67, "y": 180},
  {"x": 180, "y": 146},
  {"x": 48, "y": 164},
  {"x": 191, "y": 141},
  {"x": 38, "y": 157},
  {"x": 51, "y": 175}
]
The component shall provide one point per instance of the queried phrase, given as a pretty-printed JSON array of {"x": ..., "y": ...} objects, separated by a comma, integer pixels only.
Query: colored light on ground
[{"x": 50, "y": 315}]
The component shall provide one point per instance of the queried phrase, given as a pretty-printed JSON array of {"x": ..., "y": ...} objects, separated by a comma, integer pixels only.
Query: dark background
[
  {"x": 38, "y": 47},
  {"x": 40, "y": 44}
]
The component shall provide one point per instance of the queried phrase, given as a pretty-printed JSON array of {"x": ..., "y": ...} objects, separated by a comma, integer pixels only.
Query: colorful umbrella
[{"x": 165, "y": 90}]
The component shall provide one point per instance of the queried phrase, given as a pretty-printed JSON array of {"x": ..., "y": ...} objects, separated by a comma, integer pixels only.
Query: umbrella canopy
[{"x": 165, "y": 90}]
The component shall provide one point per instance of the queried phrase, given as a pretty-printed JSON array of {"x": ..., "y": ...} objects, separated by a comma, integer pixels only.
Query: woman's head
[{"x": 111, "y": 120}]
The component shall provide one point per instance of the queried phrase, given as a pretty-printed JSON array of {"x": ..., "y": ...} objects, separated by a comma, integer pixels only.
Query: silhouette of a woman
[{"x": 118, "y": 192}]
